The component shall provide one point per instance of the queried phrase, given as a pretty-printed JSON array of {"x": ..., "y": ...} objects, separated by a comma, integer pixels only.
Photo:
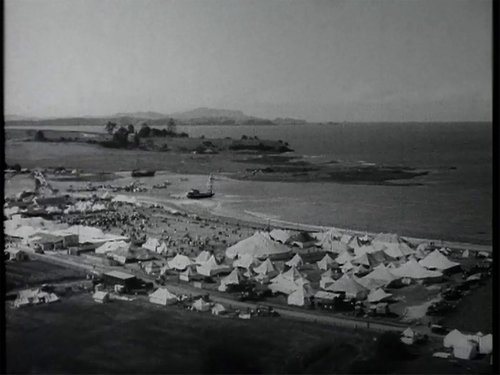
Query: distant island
[{"x": 197, "y": 116}]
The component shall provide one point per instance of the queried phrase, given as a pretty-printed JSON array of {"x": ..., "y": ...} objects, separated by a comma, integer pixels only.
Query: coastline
[{"x": 198, "y": 207}]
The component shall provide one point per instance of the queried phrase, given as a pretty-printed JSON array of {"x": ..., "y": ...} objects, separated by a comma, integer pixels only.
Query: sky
[{"x": 319, "y": 60}]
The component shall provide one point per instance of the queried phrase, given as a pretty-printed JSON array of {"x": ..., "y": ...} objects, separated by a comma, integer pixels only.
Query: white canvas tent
[
  {"x": 201, "y": 305},
  {"x": 180, "y": 262},
  {"x": 392, "y": 244},
  {"x": 211, "y": 267},
  {"x": 101, "y": 296},
  {"x": 486, "y": 344},
  {"x": 244, "y": 261},
  {"x": 344, "y": 257},
  {"x": 280, "y": 235},
  {"x": 265, "y": 268},
  {"x": 162, "y": 296},
  {"x": 438, "y": 261},
  {"x": 296, "y": 261},
  {"x": 325, "y": 262},
  {"x": 349, "y": 286},
  {"x": 203, "y": 257},
  {"x": 260, "y": 245},
  {"x": 111, "y": 246},
  {"x": 413, "y": 270},
  {"x": 300, "y": 296},
  {"x": 382, "y": 273},
  {"x": 378, "y": 295},
  {"x": 151, "y": 244},
  {"x": 218, "y": 309}
]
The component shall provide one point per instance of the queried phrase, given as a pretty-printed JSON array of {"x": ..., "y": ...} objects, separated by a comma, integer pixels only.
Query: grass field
[
  {"x": 81, "y": 336},
  {"x": 34, "y": 272}
]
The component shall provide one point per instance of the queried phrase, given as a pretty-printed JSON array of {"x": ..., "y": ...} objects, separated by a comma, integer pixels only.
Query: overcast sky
[{"x": 332, "y": 60}]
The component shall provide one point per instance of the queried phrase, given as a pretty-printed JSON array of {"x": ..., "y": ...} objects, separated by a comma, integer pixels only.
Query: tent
[
  {"x": 121, "y": 254},
  {"x": 180, "y": 262},
  {"x": 186, "y": 275},
  {"x": 300, "y": 296},
  {"x": 151, "y": 244},
  {"x": 260, "y": 245},
  {"x": 382, "y": 273},
  {"x": 296, "y": 261},
  {"x": 244, "y": 261},
  {"x": 349, "y": 286},
  {"x": 486, "y": 344},
  {"x": 378, "y": 295},
  {"x": 465, "y": 253},
  {"x": 152, "y": 267},
  {"x": 287, "y": 282},
  {"x": 211, "y": 267},
  {"x": 101, "y": 297},
  {"x": 162, "y": 249},
  {"x": 392, "y": 244},
  {"x": 327, "y": 273},
  {"x": 344, "y": 257},
  {"x": 438, "y": 261},
  {"x": 203, "y": 257},
  {"x": 280, "y": 235},
  {"x": 413, "y": 270},
  {"x": 453, "y": 338},
  {"x": 265, "y": 268},
  {"x": 326, "y": 281},
  {"x": 201, "y": 305},
  {"x": 218, "y": 309},
  {"x": 408, "y": 336},
  {"x": 162, "y": 296},
  {"x": 234, "y": 278},
  {"x": 110, "y": 246},
  {"x": 465, "y": 349},
  {"x": 326, "y": 296},
  {"x": 325, "y": 262},
  {"x": 371, "y": 284}
]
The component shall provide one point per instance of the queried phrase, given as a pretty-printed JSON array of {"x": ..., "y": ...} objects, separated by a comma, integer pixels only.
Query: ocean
[{"x": 452, "y": 202}]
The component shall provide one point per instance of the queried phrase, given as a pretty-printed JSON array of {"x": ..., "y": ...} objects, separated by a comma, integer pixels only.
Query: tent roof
[
  {"x": 344, "y": 257},
  {"x": 378, "y": 295},
  {"x": 244, "y": 261},
  {"x": 438, "y": 261},
  {"x": 381, "y": 272},
  {"x": 203, "y": 256},
  {"x": 265, "y": 267},
  {"x": 111, "y": 246},
  {"x": 163, "y": 294},
  {"x": 151, "y": 244},
  {"x": 180, "y": 262},
  {"x": 259, "y": 245},
  {"x": 348, "y": 285},
  {"x": 414, "y": 270},
  {"x": 295, "y": 261},
  {"x": 280, "y": 235},
  {"x": 233, "y": 278},
  {"x": 292, "y": 274}
]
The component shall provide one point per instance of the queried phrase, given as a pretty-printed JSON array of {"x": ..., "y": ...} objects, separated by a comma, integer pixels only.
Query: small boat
[
  {"x": 196, "y": 194},
  {"x": 143, "y": 173}
]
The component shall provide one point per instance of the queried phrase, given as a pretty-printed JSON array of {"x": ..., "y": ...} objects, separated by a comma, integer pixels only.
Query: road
[{"x": 284, "y": 311}]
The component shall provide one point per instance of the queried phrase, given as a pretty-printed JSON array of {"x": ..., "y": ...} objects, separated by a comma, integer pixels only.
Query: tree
[
  {"x": 120, "y": 137},
  {"x": 145, "y": 131},
  {"x": 39, "y": 136},
  {"x": 110, "y": 127},
  {"x": 171, "y": 126},
  {"x": 131, "y": 128}
]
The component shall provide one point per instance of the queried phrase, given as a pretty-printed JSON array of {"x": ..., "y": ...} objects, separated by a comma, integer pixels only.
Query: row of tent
[
  {"x": 162, "y": 296},
  {"x": 468, "y": 346},
  {"x": 34, "y": 297}
]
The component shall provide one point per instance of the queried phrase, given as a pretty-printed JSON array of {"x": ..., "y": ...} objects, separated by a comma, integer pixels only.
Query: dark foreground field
[
  {"x": 80, "y": 336},
  {"x": 34, "y": 272}
]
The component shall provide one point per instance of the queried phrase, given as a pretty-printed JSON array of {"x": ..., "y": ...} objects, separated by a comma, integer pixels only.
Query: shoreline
[{"x": 252, "y": 219}]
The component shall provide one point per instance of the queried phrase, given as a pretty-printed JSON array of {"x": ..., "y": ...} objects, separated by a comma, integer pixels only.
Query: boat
[
  {"x": 143, "y": 173},
  {"x": 196, "y": 194}
]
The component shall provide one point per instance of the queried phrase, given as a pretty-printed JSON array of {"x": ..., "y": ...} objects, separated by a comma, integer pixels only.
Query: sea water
[{"x": 452, "y": 202}]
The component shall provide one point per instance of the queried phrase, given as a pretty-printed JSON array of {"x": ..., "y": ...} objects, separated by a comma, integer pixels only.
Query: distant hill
[
  {"x": 197, "y": 116},
  {"x": 204, "y": 112},
  {"x": 8, "y": 117},
  {"x": 141, "y": 115}
]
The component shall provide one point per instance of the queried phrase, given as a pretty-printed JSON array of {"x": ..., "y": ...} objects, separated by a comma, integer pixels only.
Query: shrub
[{"x": 39, "y": 136}]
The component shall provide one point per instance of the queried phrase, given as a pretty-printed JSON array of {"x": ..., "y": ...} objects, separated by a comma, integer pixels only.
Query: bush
[
  {"x": 16, "y": 167},
  {"x": 145, "y": 131},
  {"x": 39, "y": 136}
]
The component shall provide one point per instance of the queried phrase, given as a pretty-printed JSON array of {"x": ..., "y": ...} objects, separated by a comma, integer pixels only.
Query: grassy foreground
[{"x": 81, "y": 336}]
